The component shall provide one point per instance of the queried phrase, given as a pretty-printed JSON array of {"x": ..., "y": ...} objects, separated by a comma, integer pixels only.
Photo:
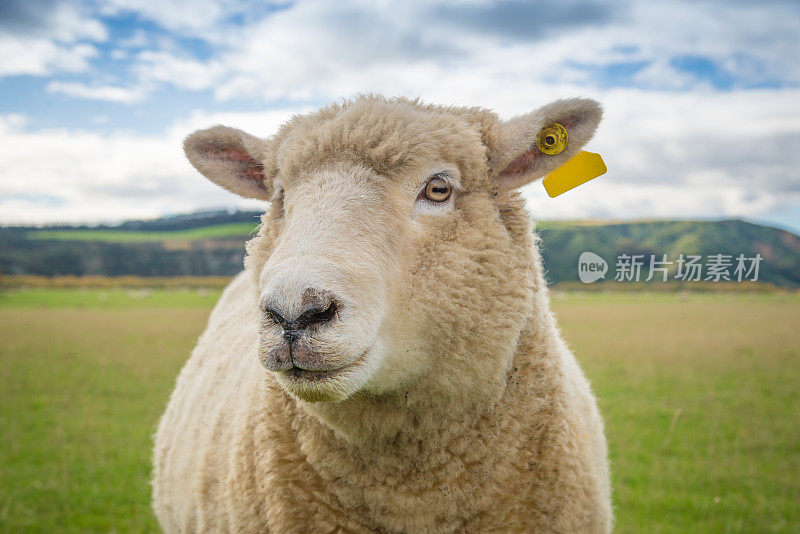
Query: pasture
[
  {"x": 700, "y": 393},
  {"x": 217, "y": 231}
]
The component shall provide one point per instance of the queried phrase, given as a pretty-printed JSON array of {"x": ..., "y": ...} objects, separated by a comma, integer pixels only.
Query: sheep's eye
[{"x": 438, "y": 190}]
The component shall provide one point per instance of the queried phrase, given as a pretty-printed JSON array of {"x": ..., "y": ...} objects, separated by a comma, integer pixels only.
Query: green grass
[
  {"x": 701, "y": 396},
  {"x": 81, "y": 391},
  {"x": 111, "y": 298},
  {"x": 217, "y": 231}
]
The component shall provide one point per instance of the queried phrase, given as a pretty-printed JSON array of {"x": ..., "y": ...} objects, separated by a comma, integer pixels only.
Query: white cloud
[
  {"x": 668, "y": 156},
  {"x": 139, "y": 39},
  {"x": 78, "y": 176},
  {"x": 181, "y": 72},
  {"x": 323, "y": 50},
  {"x": 70, "y": 23},
  {"x": 209, "y": 20},
  {"x": 122, "y": 95},
  {"x": 176, "y": 15},
  {"x": 36, "y": 56},
  {"x": 41, "y": 37},
  {"x": 64, "y": 22},
  {"x": 262, "y": 124}
]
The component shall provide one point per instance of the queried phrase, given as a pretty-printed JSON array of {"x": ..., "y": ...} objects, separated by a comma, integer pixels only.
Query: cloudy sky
[{"x": 702, "y": 98}]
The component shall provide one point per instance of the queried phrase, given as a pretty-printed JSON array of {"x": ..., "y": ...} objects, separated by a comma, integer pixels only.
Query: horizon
[{"x": 537, "y": 222}]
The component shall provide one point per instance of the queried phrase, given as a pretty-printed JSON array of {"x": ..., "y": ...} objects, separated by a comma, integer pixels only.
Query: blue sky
[{"x": 702, "y": 98}]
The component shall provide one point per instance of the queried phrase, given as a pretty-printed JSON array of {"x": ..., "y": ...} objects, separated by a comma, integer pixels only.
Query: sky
[{"x": 701, "y": 98}]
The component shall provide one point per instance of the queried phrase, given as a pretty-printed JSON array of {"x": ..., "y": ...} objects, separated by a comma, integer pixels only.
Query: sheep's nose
[{"x": 318, "y": 308}]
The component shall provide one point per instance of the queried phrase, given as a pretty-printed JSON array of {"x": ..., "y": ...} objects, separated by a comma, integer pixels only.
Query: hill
[
  {"x": 563, "y": 243},
  {"x": 211, "y": 243}
]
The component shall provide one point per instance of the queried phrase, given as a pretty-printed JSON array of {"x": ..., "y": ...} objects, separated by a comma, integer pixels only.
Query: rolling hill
[{"x": 211, "y": 243}]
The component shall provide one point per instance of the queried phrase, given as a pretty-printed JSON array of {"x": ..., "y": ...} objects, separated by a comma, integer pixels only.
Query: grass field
[
  {"x": 701, "y": 395},
  {"x": 123, "y": 236}
]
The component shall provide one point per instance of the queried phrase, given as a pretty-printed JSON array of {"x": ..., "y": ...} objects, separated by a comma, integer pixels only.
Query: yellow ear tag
[
  {"x": 552, "y": 139},
  {"x": 584, "y": 166}
]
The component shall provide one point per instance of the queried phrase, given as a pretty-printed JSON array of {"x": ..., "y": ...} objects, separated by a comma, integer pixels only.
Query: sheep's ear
[
  {"x": 232, "y": 159},
  {"x": 516, "y": 159}
]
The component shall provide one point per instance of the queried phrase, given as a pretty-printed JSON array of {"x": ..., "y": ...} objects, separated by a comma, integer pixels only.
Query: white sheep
[{"x": 416, "y": 380}]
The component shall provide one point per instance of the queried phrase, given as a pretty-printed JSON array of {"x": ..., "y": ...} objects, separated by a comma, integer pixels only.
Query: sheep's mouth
[
  {"x": 326, "y": 386},
  {"x": 298, "y": 373}
]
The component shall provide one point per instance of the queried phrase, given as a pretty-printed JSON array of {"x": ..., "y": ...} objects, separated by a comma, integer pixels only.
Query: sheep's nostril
[
  {"x": 320, "y": 309},
  {"x": 278, "y": 318},
  {"x": 319, "y": 313}
]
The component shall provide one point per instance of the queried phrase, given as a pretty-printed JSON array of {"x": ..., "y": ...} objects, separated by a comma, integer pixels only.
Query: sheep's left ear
[
  {"x": 532, "y": 145},
  {"x": 233, "y": 159}
]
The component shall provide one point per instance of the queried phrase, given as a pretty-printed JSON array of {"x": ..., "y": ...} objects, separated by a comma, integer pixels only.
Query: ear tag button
[
  {"x": 552, "y": 139},
  {"x": 584, "y": 166}
]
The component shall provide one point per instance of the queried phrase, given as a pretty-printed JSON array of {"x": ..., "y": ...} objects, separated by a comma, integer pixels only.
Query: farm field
[
  {"x": 118, "y": 236},
  {"x": 700, "y": 392}
]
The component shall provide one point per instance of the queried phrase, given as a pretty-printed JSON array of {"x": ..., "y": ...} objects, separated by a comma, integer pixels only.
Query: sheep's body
[
  {"x": 235, "y": 454},
  {"x": 476, "y": 419}
]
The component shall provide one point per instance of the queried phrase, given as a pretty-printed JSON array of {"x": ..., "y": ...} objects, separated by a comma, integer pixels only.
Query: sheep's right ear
[
  {"x": 233, "y": 159},
  {"x": 518, "y": 158}
]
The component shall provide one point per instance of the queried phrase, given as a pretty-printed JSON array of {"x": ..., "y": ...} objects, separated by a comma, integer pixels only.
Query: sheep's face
[
  {"x": 324, "y": 263},
  {"x": 393, "y": 253}
]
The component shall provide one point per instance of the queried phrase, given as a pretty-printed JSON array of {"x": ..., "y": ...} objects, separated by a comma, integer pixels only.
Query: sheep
[{"x": 387, "y": 361}]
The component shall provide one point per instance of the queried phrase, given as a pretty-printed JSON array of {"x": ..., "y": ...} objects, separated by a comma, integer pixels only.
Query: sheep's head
[{"x": 395, "y": 251}]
